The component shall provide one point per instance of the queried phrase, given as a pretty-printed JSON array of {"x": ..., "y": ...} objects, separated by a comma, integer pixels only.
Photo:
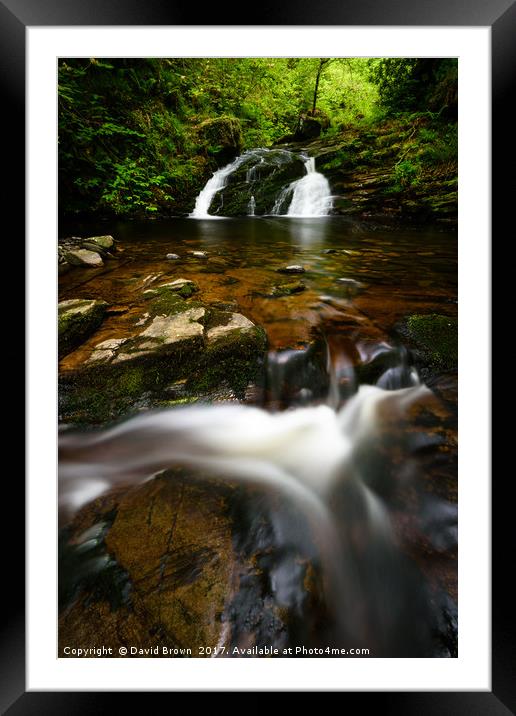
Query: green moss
[
  {"x": 436, "y": 337},
  {"x": 168, "y": 303},
  {"x": 234, "y": 360},
  {"x": 74, "y": 327},
  {"x": 287, "y": 289}
]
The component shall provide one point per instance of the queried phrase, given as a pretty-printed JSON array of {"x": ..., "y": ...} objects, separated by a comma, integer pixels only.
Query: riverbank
[{"x": 392, "y": 172}]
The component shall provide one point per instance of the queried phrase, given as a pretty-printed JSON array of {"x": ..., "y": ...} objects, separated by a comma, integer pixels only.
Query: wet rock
[
  {"x": 294, "y": 268},
  {"x": 117, "y": 310},
  {"x": 434, "y": 339},
  {"x": 286, "y": 289},
  {"x": 198, "y": 254},
  {"x": 184, "y": 562},
  {"x": 173, "y": 340},
  {"x": 181, "y": 286},
  {"x": 78, "y": 319},
  {"x": 84, "y": 257},
  {"x": 170, "y": 570},
  {"x": 350, "y": 282},
  {"x": 236, "y": 322},
  {"x": 101, "y": 242},
  {"x": 264, "y": 180},
  {"x": 173, "y": 257}
]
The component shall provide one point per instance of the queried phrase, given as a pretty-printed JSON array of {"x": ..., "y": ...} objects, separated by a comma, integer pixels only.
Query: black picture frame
[{"x": 500, "y": 16}]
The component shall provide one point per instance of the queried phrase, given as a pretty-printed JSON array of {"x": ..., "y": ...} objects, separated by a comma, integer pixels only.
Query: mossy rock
[
  {"x": 176, "y": 340},
  {"x": 267, "y": 182},
  {"x": 77, "y": 319},
  {"x": 435, "y": 338},
  {"x": 285, "y": 289},
  {"x": 183, "y": 287},
  {"x": 101, "y": 242},
  {"x": 222, "y": 136}
]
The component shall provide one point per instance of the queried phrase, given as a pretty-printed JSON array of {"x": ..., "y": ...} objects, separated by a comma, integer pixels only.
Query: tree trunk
[{"x": 316, "y": 89}]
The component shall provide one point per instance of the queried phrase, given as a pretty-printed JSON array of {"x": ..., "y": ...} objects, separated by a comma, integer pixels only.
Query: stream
[{"x": 350, "y": 440}]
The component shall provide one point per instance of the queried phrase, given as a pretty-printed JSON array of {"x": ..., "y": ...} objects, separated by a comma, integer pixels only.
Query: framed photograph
[{"x": 268, "y": 251}]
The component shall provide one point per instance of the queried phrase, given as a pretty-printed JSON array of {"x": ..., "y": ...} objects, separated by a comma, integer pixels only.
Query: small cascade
[
  {"x": 307, "y": 196},
  {"x": 215, "y": 184},
  {"x": 311, "y": 194}
]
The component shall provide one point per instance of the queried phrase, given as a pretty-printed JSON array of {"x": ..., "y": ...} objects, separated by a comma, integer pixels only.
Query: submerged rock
[
  {"x": 77, "y": 319},
  {"x": 184, "y": 287},
  {"x": 84, "y": 257},
  {"x": 286, "y": 289}
]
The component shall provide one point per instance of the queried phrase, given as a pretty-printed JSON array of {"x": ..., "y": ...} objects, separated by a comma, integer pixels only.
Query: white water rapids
[{"x": 301, "y": 451}]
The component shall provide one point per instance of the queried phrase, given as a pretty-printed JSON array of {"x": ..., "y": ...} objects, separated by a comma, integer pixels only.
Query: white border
[{"x": 471, "y": 670}]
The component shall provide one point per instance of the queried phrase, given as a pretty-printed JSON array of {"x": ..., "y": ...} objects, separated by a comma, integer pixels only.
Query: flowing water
[
  {"x": 344, "y": 428},
  {"x": 308, "y": 196}
]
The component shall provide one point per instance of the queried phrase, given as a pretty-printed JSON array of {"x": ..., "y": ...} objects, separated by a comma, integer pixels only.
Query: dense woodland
[{"x": 140, "y": 137}]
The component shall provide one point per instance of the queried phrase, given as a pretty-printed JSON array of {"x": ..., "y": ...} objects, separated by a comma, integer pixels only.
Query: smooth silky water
[{"x": 363, "y": 458}]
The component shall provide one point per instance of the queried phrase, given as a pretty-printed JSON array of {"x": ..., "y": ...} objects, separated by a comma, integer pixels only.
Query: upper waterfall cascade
[{"x": 307, "y": 196}]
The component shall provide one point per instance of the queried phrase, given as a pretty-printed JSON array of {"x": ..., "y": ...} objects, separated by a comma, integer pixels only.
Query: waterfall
[
  {"x": 311, "y": 194},
  {"x": 216, "y": 183},
  {"x": 308, "y": 196},
  {"x": 303, "y": 451}
]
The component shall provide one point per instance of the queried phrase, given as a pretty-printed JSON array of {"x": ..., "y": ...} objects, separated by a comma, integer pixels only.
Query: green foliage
[
  {"x": 408, "y": 84},
  {"x": 131, "y": 138},
  {"x": 406, "y": 174}
]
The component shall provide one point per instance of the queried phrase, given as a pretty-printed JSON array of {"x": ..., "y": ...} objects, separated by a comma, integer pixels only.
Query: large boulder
[
  {"x": 175, "y": 349},
  {"x": 222, "y": 137},
  {"x": 310, "y": 126},
  {"x": 77, "y": 319},
  {"x": 184, "y": 563}
]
